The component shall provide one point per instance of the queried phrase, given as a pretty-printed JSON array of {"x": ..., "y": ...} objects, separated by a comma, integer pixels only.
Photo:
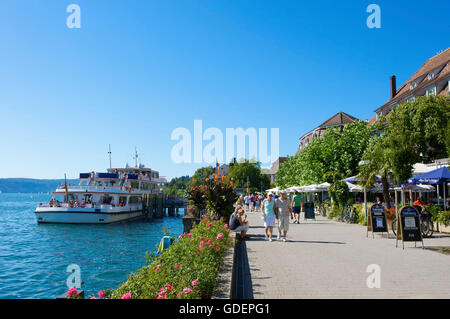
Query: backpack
[{"x": 234, "y": 222}]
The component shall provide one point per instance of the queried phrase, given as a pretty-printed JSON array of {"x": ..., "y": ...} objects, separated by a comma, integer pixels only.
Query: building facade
[
  {"x": 337, "y": 121},
  {"x": 274, "y": 168},
  {"x": 432, "y": 78}
]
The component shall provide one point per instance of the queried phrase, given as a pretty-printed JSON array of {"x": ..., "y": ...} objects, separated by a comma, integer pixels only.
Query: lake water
[{"x": 34, "y": 257}]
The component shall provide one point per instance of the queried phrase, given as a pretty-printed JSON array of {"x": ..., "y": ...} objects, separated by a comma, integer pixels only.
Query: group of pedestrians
[
  {"x": 251, "y": 202},
  {"x": 273, "y": 211}
]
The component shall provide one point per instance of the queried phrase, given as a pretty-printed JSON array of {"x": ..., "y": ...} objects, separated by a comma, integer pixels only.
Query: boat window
[
  {"x": 106, "y": 200},
  {"x": 122, "y": 200},
  {"x": 59, "y": 197}
]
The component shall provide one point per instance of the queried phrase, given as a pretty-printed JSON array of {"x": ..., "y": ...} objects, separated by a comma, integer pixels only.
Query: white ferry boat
[{"x": 101, "y": 198}]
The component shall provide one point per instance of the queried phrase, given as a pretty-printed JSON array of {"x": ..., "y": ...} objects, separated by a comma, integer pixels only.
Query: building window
[
  {"x": 431, "y": 76},
  {"x": 410, "y": 98},
  {"x": 431, "y": 90},
  {"x": 412, "y": 85}
]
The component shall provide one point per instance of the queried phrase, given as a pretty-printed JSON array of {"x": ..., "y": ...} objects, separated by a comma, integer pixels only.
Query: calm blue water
[{"x": 34, "y": 257}]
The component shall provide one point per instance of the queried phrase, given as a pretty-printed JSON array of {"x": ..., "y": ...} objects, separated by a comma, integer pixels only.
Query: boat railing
[{"x": 95, "y": 187}]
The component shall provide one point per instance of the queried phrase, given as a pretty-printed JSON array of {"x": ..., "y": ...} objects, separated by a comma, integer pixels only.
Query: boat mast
[{"x": 109, "y": 156}]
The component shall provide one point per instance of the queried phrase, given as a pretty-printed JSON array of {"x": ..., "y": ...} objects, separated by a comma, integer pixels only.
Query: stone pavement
[{"x": 328, "y": 259}]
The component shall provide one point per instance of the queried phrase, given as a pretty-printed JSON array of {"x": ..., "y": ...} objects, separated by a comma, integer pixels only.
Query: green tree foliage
[
  {"x": 418, "y": 131},
  {"x": 200, "y": 175},
  {"x": 335, "y": 152},
  {"x": 177, "y": 186},
  {"x": 377, "y": 161},
  {"x": 243, "y": 169}
]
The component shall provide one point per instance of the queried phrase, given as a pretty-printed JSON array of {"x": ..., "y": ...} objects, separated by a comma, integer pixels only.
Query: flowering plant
[
  {"x": 197, "y": 197},
  {"x": 221, "y": 196},
  {"x": 186, "y": 270},
  {"x": 390, "y": 213}
]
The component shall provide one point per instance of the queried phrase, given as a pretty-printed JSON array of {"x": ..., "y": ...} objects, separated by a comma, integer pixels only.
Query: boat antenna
[
  {"x": 109, "y": 152},
  {"x": 136, "y": 156}
]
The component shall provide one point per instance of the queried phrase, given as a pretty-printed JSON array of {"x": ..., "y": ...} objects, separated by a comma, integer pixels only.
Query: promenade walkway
[{"x": 327, "y": 259}]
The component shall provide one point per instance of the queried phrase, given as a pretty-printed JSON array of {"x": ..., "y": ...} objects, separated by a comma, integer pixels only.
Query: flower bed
[{"x": 186, "y": 270}]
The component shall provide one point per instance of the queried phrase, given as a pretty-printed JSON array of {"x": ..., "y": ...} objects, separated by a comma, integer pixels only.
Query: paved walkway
[{"x": 327, "y": 259}]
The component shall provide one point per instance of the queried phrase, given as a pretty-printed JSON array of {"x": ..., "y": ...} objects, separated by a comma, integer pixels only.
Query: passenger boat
[{"x": 101, "y": 198}]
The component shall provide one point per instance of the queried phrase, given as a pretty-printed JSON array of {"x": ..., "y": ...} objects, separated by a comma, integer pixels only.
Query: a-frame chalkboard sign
[
  {"x": 408, "y": 227},
  {"x": 376, "y": 220}
]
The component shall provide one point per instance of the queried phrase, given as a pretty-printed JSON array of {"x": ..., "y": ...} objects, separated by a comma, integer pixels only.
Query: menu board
[
  {"x": 378, "y": 218},
  {"x": 309, "y": 211},
  {"x": 410, "y": 224}
]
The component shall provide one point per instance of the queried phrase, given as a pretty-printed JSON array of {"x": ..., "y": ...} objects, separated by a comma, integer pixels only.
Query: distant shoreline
[{"x": 31, "y": 185}]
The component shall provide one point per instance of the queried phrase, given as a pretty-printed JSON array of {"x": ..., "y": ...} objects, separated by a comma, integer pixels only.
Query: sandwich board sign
[
  {"x": 409, "y": 226},
  {"x": 376, "y": 221},
  {"x": 309, "y": 211}
]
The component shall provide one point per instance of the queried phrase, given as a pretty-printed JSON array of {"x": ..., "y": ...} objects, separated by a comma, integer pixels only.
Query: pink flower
[
  {"x": 187, "y": 290},
  {"x": 93, "y": 297},
  {"x": 177, "y": 266},
  {"x": 189, "y": 235},
  {"x": 180, "y": 294},
  {"x": 217, "y": 248},
  {"x": 195, "y": 283},
  {"x": 127, "y": 296},
  {"x": 101, "y": 294},
  {"x": 226, "y": 226},
  {"x": 209, "y": 224},
  {"x": 72, "y": 292},
  {"x": 169, "y": 287},
  {"x": 201, "y": 245},
  {"x": 219, "y": 236}
]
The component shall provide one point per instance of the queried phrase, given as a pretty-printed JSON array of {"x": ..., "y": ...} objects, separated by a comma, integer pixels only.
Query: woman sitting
[{"x": 239, "y": 222}]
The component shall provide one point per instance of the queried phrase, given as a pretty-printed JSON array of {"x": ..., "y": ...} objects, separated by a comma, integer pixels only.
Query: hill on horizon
[{"x": 31, "y": 185}]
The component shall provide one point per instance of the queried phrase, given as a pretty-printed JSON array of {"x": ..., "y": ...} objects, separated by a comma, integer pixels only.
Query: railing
[{"x": 134, "y": 206}]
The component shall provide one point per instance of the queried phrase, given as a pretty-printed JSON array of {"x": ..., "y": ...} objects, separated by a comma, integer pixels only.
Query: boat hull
[{"x": 58, "y": 215}]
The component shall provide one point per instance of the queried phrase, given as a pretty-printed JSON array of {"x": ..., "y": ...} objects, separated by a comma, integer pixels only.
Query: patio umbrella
[
  {"x": 353, "y": 179},
  {"x": 273, "y": 190},
  {"x": 435, "y": 177}
]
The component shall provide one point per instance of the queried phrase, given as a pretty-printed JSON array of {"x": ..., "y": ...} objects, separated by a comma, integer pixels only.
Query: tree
[
  {"x": 377, "y": 162},
  {"x": 244, "y": 171},
  {"x": 200, "y": 175},
  {"x": 418, "y": 131},
  {"x": 177, "y": 186},
  {"x": 336, "y": 151}
]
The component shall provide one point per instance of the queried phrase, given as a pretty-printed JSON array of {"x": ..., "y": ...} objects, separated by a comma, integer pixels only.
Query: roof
[
  {"x": 340, "y": 118},
  {"x": 438, "y": 64},
  {"x": 276, "y": 165}
]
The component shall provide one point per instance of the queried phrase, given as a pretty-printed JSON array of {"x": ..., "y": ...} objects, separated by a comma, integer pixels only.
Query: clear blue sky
[{"x": 136, "y": 70}]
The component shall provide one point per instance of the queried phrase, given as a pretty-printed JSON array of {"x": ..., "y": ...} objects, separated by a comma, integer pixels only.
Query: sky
[{"x": 137, "y": 70}]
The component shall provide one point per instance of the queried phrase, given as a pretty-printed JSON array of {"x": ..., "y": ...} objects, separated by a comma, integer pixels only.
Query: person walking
[
  {"x": 296, "y": 206},
  {"x": 269, "y": 213},
  {"x": 246, "y": 201},
  {"x": 284, "y": 208},
  {"x": 252, "y": 201}
]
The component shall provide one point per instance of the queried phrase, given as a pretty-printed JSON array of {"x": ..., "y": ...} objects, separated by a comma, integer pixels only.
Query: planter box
[
  {"x": 443, "y": 228},
  {"x": 188, "y": 221}
]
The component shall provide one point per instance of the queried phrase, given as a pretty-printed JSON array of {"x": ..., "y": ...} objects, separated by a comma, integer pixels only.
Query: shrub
[
  {"x": 444, "y": 217},
  {"x": 221, "y": 196},
  {"x": 435, "y": 211},
  {"x": 360, "y": 215},
  {"x": 186, "y": 270}
]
